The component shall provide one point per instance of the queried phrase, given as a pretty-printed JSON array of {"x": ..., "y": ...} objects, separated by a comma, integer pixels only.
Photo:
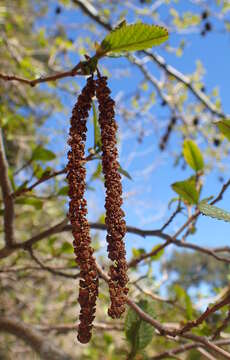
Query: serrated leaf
[
  {"x": 124, "y": 172},
  {"x": 42, "y": 154},
  {"x": 224, "y": 127},
  {"x": 187, "y": 190},
  {"x": 213, "y": 211},
  {"x": 192, "y": 155},
  {"x": 97, "y": 133},
  {"x": 138, "y": 332},
  {"x": 133, "y": 37}
]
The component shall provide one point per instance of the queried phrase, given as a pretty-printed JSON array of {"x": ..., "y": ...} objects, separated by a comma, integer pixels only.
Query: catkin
[
  {"x": 115, "y": 223},
  {"x": 76, "y": 174}
]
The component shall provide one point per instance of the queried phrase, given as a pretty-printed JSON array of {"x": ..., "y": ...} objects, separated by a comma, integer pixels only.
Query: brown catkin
[
  {"x": 115, "y": 223},
  {"x": 76, "y": 174}
]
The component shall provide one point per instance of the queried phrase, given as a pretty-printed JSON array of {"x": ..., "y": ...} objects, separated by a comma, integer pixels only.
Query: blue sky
[{"x": 148, "y": 194}]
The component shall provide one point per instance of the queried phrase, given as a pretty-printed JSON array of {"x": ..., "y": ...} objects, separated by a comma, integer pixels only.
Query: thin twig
[{"x": 6, "y": 194}]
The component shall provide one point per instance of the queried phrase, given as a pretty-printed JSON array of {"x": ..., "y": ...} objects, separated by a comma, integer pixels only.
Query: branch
[
  {"x": 92, "y": 12},
  {"x": 50, "y": 269},
  {"x": 65, "y": 328},
  {"x": 89, "y": 10},
  {"x": 41, "y": 345},
  {"x": 75, "y": 71},
  {"x": 186, "y": 347},
  {"x": 6, "y": 194},
  {"x": 186, "y": 81}
]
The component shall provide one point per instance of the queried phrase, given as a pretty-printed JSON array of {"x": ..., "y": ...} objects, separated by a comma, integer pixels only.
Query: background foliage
[{"x": 175, "y": 270}]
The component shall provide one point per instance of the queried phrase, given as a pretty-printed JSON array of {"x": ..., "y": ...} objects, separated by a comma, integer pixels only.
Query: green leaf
[
  {"x": 187, "y": 190},
  {"x": 133, "y": 37},
  {"x": 224, "y": 127},
  {"x": 43, "y": 154},
  {"x": 192, "y": 155},
  {"x": 213, "y": 211},
  {"x": 158, "y": 255},
  {"x": 97, "y": 133},
  {"x": 36, "y": 203},
  {"x": 66, "y": 248},
  {"x": 124, "y": 172},
  {"x": 138, "y": 332},
  {"x": 63, "y": 191}
]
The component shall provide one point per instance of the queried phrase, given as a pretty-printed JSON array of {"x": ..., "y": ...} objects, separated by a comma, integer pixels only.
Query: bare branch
[
  {"x": 41, "y": 345},
  {"x": 6, "y": 194},
  {"x": 50, "y": 269},
  {"x": 222, "y": 326},
  {"x": 159, "y": 60},
  {"x": 65, "y": 328},
  {"x": 75, "y": 71},
  {"x": 185, "y": 347}
]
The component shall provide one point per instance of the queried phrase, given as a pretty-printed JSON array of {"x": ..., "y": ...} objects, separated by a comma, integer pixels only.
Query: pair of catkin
[{"x": 115, "y": 223}]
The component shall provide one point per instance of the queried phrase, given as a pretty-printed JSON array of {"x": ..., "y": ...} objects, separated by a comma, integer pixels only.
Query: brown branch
[
  {"x": 50, "y": 269},
  {"x": 92, "y": 12},
  {"x": 197, "y": 212},
  {"x": 44, "y": 178},
  {"x": 204, "y": 316},
  {"x": 65, "y": 328},
  {"x": 73, "y": 72},
  {"x": 6, "y": 194},
  {"x": 159, "y": 60},
  {"x": 222, "y": 326},
  {"x": 136, "y": 261},
  {"x": 41, "y": 345},
  {"x": 186, "y": 347}
]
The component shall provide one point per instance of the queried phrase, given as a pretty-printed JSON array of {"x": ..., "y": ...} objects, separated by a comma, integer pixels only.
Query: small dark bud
[
  {"x": 163, "y": 103},
  {"x": 173, "y": 120},
  {"x": 204, "y": 15},
  {"x": 208, "y": 26},
  {"x": 195, "y": 121},
  {"x": 203, "y": 33},
  {"x": 216, "y": 142},
  {"x": 58, "y": 10},
  {"x": 203, "y": 89}
]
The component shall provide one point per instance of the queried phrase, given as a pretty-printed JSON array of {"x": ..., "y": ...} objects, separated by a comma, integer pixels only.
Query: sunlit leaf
[
  {"x": 133, "y": 37},
  {"x": 187, "y": 190},
  {"x": 214, "y": 211},
  {"x": 192, "y": 155},
  {"x": 224, "y": 127},
  {"x": 42, "y": 154}
]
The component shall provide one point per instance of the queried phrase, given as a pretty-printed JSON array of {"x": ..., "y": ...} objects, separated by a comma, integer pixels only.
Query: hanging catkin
[
  {"x": 115, "y": 223},
  {"x": 76, "y": 174}
]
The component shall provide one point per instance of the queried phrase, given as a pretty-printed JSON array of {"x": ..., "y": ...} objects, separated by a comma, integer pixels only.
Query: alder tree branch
[
  {"x": 170, "y": 70},
  {"x": 41, "y": 345},
  {"x": 73, "y": 72},
  {"x": 92, "y": 12},
  {"x": 186, "y": 347},
  {"x": 50, "y": 269},
  {"x": 6, "y": 194}
]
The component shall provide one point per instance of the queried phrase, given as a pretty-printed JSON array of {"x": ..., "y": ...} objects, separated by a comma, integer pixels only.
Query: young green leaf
[
  {"x": 43, "y": 154},
  {"x": 133, "y": 37},
  {"x": 124, "y": 172},
  {"x": 214, "y": 211},
  {"x": 138, "y": 332},
  {"x": 187, "y": 191},
  {"x": 224, "y": 127},
  {"x": 192, "y": 155}
]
